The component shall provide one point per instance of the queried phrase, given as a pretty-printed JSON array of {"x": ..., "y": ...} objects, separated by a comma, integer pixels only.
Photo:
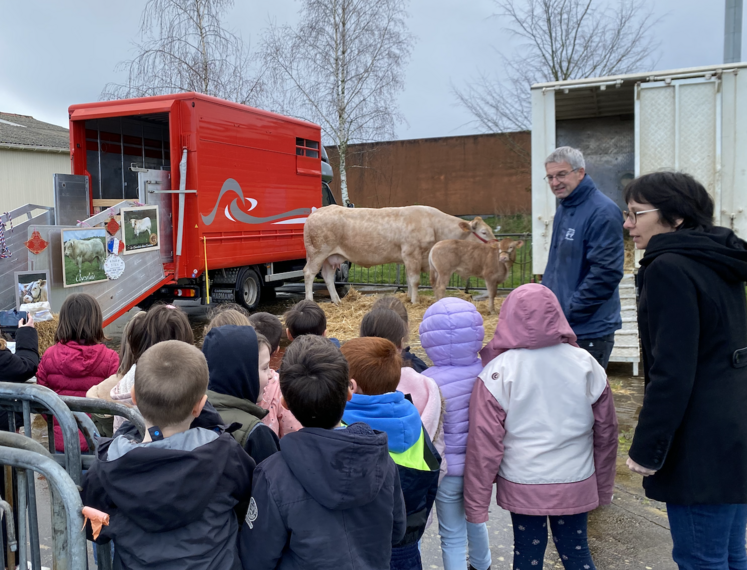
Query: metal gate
[{"x": 393, "y": 275}]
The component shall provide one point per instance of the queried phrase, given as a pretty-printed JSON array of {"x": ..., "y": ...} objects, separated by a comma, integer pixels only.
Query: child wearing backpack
[
  {"x": 451, "y": 334},
  {"x": 375, "y": 366},
  {"x": 331, "y": 497},
  {"x": 79, "y": 359},
  {"x": 542, "y": 426},
  {"x": 176, "y": 499},
  {"x": 238, "y": 359}
]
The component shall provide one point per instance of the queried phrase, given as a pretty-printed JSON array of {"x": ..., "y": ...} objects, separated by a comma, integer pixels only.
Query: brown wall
[{"x": 476, "y": 174}]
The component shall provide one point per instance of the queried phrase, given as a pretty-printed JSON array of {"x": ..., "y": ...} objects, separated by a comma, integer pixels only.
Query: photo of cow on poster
[
  {"x": 32, "y": 293},
  {"x": 83, "y": 256},
  {"x": 140, "y": 229}
]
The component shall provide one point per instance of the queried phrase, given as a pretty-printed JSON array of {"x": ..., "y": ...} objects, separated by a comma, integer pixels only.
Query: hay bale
[
  {"x": 344, "y": 320},
  {"x": 46, "y": 330}
]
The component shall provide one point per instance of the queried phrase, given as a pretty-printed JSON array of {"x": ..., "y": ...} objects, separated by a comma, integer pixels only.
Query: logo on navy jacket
[{"x": 570, "y": 233}]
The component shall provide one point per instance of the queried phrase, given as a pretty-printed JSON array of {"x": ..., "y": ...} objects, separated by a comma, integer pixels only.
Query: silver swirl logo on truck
[{"x": 236, "y": 214}]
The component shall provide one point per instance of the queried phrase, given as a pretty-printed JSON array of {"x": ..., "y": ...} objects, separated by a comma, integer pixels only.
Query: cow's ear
[
  {"x": 464, "y": 226},
  {"x": 494, "y": 244},
  {"x": 519, "y": 244},
  {"x": 476, "y": 222},
  {"x": 43, "y": 283}
]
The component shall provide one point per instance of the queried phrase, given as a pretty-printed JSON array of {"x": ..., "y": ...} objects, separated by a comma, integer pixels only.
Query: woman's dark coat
[{"x": 692, "y": 317}]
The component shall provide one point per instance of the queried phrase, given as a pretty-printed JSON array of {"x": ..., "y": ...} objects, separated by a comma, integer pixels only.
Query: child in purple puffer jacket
[{"x": 451, "y": 334}]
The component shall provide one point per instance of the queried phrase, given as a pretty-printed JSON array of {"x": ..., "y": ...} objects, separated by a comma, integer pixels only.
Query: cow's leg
[
  {"x": 312, "y": 267},
  {"x": 439, "y": 287},
  {"x": 412, "y": 268},
  {"x": 328, "y": 274}
]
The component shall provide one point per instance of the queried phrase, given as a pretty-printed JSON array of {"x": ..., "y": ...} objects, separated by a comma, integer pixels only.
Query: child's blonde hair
[{"x": 227, "y": 314}]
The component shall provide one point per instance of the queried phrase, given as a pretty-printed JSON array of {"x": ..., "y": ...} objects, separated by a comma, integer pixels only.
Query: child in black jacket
[
  {"x": 331, "y": 497},
  {"x": 174, "y": 500}
]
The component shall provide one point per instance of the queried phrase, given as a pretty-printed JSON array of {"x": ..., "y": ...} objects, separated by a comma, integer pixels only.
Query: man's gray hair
[{"x": 568, "y": 154}]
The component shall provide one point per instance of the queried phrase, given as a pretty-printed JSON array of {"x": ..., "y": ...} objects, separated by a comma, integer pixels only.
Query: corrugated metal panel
[
  {"x": 734, "y": 154},
  {"x": 26, "y": 177}
]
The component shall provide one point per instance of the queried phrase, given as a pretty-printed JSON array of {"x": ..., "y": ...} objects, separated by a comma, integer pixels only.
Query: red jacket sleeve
[
  {"x": 605, "y": 445},
  {"x": 41, "y": 372},
  {"x": 484, "y": 451}
]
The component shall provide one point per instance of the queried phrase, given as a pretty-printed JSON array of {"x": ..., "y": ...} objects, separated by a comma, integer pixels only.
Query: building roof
[{"x": 23, "y": 132}]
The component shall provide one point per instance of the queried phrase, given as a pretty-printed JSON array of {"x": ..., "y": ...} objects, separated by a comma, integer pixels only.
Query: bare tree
[
  {"x": 560, "y": 40},
  {"x": 341, "y": 67},
  {"x": 184, "y": 47}
]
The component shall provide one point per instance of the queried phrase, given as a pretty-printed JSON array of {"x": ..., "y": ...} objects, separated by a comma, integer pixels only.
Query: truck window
[
  {"x": 327, "y": 197},
  {"x": 306, "y": 147}
]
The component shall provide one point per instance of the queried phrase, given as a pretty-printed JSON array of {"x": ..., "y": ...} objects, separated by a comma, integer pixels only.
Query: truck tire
[{"x": 249, "y": 291}]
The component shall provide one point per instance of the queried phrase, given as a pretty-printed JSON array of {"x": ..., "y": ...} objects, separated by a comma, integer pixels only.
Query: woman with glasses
[{"x": 690, "y": 443}]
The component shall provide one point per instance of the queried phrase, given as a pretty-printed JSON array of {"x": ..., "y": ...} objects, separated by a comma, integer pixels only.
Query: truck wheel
[{"x": 250, "y": 290}]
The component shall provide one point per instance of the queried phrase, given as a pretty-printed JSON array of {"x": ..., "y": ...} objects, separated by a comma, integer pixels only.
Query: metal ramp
[
  {"x": 21, "y": 219},
  {"x": 143, "y": 272},
  {"x": 627, "y": 344}
]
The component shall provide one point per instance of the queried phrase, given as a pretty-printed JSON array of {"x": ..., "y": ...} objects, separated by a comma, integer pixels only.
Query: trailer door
[
  {"x": 678, "y": 127},
  {"x": 543, "y": 200}
]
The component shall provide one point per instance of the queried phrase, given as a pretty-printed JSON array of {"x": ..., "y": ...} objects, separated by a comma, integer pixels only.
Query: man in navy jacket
[{"x": 585, "y": 263}]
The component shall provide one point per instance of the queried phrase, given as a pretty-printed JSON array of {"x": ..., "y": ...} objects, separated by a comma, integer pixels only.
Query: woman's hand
[
  {"x": 640, "y": 469},
  {"x": 29, "y": 322}
]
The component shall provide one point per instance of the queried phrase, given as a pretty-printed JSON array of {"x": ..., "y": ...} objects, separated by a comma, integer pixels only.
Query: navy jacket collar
[{"x": 580, "y": 193}]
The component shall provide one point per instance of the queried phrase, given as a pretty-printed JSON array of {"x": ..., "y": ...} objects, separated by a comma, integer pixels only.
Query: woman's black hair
[{"x": 677, "y": 196}]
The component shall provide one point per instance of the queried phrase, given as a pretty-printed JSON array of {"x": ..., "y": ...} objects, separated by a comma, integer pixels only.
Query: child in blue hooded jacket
[{"x": 375, "y": 367}]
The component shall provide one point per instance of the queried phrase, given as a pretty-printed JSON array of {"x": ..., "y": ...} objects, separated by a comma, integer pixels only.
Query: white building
[{"x": 31, "y": 152}]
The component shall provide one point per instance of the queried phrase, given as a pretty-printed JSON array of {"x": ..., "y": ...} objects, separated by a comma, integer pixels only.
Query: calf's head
[
  {"x": 507, "y": 249},
  {"x": 478, "y": 229}
]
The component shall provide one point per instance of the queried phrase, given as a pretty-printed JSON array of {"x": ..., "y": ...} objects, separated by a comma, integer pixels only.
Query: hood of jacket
[
  {"x": 77, "y": 360},
  {"x": 390, "y": 413},
  {"x": 140, "y": 478},
  {"x": 339, "y": 468},
  {"x": 233, "y": 360},
  {"x": 530, "y": 317},
  {"x": 718, "y": 249},
  {"x": 452, "y": 332}
]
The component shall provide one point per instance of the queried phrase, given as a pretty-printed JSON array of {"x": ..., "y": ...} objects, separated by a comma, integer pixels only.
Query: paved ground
[{"x": 632, "y": 533}]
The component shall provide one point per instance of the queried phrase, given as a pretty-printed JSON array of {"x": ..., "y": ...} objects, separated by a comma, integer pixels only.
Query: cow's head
[
  {"x": 133, "y": 222},
  {"x": 36, "y": 288},
  {"x": 69, "y": 248},
  {"x": 508, "y": 248},
  {"x": 478, "y": 229}
]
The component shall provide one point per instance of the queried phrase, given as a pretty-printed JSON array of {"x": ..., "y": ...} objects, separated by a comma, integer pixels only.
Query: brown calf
[{"x": 491, "y": 261}]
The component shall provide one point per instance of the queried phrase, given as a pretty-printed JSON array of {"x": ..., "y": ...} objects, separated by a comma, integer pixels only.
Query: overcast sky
[{"x": 54, "y": 54}]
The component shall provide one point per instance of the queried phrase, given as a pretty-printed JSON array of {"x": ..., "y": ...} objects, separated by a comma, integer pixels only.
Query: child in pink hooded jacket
[
  {"x": 78, "y": 360},
  {"x": 542, "y": 425}
]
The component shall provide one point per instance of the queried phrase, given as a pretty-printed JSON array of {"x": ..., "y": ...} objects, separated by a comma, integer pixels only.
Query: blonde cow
[
  {"x": 372, "y": 236},
  {"x": 491, "y": 261}
]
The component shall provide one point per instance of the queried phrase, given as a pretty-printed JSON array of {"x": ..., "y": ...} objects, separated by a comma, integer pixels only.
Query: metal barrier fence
[
  {"x": 71, "y": 415},
  {"x": 394, "y": 275}
]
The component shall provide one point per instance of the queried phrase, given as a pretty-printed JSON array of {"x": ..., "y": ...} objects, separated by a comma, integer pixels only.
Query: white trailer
[{"x": 691, "y": 120}]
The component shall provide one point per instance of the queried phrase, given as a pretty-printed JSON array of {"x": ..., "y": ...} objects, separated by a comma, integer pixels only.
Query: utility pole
[{"x": 733, "y": 31}]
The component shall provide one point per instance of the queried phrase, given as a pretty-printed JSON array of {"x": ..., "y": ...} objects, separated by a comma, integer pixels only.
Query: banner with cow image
[
  {"x": 139, "y": 229},
  {"x": 83, "y": 256}
]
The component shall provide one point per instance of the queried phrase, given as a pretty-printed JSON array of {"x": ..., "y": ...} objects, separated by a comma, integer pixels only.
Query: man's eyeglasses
[
  {"x": 632, "y": 217},
  {"x": 560, "y": 176}
]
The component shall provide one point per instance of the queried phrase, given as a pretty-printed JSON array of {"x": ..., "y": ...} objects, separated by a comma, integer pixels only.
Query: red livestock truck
[{"x": 233, "y": 186}]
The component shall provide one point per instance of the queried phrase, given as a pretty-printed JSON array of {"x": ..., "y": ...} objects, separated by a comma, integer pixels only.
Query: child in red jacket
[{"x": 78, "y": 360}]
